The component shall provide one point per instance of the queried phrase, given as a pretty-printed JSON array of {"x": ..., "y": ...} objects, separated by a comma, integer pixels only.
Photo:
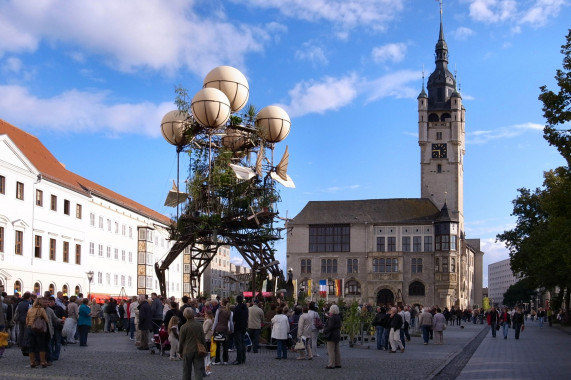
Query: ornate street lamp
[{"x": 89, "y": 278}]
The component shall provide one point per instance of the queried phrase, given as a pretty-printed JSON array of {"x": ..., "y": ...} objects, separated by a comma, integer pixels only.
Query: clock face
[{"x": 439, "y": 151}]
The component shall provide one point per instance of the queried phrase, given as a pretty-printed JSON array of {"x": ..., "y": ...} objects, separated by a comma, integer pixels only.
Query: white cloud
[
  {"x": 462, "y": 33},
  {"x": 15, "y": 70},
  {"x": 536, "y": 13},
  {"x": 394, "y": 84},
  {"x": 344, "y": 14},
  {"x": 313, "y": 53},
  {"x": 394, "y": 52},
  {"x": 483, "y": 136},
  {"x": 320, "y": 97},
  {"x": 491, "y": 11},
  {"x": 77, "y": 111},
  {"x": 148, "y": 35},
  {"x": 541, "y": 12}
]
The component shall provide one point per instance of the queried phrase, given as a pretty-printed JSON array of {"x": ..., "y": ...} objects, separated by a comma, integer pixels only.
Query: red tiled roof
[{"x": 51, "y": 169}]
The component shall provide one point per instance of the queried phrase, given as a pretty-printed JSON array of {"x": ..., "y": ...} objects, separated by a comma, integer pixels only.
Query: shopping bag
[
  {"x": 247, "y": 340},
  {"x": 212, "y": 347},
  {"x": 69, "y": 328}
]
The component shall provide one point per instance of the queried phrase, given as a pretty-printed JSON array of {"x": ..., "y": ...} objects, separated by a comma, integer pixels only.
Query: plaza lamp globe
[
  {"x": 273, "y": 123},
  {"x": 172, "y": 127},
  {"x": 211, "y": 108},
  {"x": 232, "y": 83}
]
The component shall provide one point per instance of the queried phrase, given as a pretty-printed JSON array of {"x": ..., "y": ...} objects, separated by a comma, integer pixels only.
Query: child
[{"x": 173, "y": 338}]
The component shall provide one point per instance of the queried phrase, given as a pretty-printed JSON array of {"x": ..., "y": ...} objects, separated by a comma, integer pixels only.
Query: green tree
[
  {"x": 521, "y": 291},
  {"x": 540, "y": 244}
]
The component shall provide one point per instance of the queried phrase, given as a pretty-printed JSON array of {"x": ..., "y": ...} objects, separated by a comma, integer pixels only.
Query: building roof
[
  {"x": 375, "y": 211},
  {"x": 53, "y": 170}
]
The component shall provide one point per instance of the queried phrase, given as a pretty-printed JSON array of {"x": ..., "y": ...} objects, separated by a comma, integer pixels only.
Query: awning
[
  {"x": 264, "y": 294},
  {"x": 102, "y": 297}
]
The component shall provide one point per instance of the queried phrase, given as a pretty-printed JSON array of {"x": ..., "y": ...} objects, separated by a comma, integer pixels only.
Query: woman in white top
[{"x": 280, "y": 330}]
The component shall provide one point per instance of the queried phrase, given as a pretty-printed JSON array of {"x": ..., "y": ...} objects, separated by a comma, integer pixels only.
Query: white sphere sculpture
[
  {"x": 172, "y": 127},
  {"x": 234, "y": 140},
  {"x": 210, "y": 108},
  {"x": 274, "y": 123},
  {"x": 232, "y": 83}
]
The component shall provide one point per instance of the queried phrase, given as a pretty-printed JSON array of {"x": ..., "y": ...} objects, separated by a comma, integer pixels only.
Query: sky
[{"x": 93, "y": 79}]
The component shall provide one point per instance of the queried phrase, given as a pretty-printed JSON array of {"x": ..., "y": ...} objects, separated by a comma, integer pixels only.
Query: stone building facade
[{"x": 391, "y": 251}]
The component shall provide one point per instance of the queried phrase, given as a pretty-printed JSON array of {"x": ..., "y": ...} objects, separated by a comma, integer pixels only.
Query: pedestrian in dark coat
[
  {"x": 191, "y": 334},
  {"x": 332, "y": 333},
  {"x": 145, "y": 321}
]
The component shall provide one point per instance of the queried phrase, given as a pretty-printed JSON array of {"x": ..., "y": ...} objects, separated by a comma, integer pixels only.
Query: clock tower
[{"x": 441, "y": 136}]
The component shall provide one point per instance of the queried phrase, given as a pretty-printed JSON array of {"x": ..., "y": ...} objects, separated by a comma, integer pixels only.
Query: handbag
[
  {"x": 299, "y": 345},
  {"x": 201, "y": 350},
  {"x": 39, "y": 326},
  {"x": 317, "y": 322},
  {"x": 219, "y": 336}
]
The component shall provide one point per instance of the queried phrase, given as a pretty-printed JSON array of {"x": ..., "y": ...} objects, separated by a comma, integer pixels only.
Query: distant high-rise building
[{"x": 500, "y": 278}]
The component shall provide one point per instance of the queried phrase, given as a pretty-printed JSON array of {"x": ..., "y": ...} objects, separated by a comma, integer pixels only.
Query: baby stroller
[{"x": 161, "y": 342}]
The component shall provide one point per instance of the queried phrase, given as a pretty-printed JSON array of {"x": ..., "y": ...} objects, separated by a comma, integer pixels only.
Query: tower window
[
  {"x": 438, "y": 135},
  {"x": 433, "y": 118},
  {"x": 440, "y": 95},
  {"x": 439, "y": 168}
]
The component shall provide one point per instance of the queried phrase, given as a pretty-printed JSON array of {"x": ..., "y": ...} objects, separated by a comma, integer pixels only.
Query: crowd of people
[{"x": 201, "y": 332}]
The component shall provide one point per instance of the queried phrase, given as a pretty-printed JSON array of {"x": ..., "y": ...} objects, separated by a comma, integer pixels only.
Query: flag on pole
[
  {"x": 338, "y": 288},
  {"x": 323, "y": 288},
  {"x": 309, "y": 288}
]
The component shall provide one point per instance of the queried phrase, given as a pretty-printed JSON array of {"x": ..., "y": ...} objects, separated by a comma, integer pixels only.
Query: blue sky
[{"x": 92, "y": 80}]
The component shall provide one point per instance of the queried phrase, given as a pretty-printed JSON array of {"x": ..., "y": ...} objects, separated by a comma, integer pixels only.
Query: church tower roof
[{"x": 441, "y": 83}]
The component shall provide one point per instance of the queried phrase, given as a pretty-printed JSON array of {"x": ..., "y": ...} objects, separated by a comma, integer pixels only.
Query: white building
[
  {"x": 500, "y": 278},
  {"x": 55, "y": 226}
]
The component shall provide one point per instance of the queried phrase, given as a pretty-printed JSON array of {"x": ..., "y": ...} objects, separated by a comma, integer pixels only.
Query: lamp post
[{"x": 89, "y": 278}]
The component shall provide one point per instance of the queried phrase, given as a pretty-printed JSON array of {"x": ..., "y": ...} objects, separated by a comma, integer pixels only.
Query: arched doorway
[
  {"x": 64, "y": 290},
  {"x": 385, "y": 297},
  {"x": 77, "y": 290},
  {"x": 52, "y": 289}
]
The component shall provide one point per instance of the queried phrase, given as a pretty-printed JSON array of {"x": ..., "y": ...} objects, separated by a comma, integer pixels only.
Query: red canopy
[{"x": 264, "y": 294}]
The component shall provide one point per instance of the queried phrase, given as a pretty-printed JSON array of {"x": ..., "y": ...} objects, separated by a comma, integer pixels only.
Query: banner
[
  {"x": 338, "y": 288},
  {"x": 294, "y": 290},
  {"x": 309, "y": 288},
  {"x": 323, "y": 288},
  {"x": 264, "y": 285}
]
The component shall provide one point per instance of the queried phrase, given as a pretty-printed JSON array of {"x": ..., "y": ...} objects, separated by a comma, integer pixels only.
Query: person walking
[
  {"x": 505, "y": 322},
  {"x": 518, "y": 321},
  {"x": 439, "y": 325},
  {"x": 394, "y": 334},
  {"x": 145, "y": 321},
  {"x": 84, "y": 322},
  {"x": 255, "y": 319},
  {"x": 425, "y": 321},
  {"x": 280, "y": 331},
  {"x": 541, "y": 317},
  {"x": 38, "y": 338},
  {"x": 304, "y": 327},
  {"x": 332, "y": 333},
  {"x": 190, "y": 335},
  {"x": 493, "y": 319},
  {"x": 379, "y": 328},
  {"x": 174, "y": 338},
  {"x": 223, "y": 327},
  {"x": 240, "y": 319}
]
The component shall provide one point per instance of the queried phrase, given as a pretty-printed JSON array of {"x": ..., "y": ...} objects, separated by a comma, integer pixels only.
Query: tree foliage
[
  {"x": 540, "y": 244},
  {"x": 520, "y": 292}
]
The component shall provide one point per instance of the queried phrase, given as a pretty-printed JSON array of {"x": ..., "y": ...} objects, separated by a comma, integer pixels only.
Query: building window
[
  {"x": 453, "y": 240},
  {"x": 428, "y": 244},
  {"x": 53, "y": 203},
  {"x": 108, "y": 252},
  {"x": 416, "y": 266},
  {"x": 352, "y": 266},
  {"x": 331, "y": 287},
  {"x": 437, "y": 265},
  {"x": 329, "y": 238},
  {"x": 453, "y": 265},
  {"x": 438, "y": 135},
  {"x": 52, "y": 249},
  {"x": 130, "y": 281},
  {"x": 130, "y": 232},
  {"x": 406, "y": 243},
  {"x": 305, "y": 265},
  {"x": 78, "y": 211},
  {"x": 328, "y": 265},
  {"x": 99, "y": 278},
  {"x": 78, "y": 254},
  {"x": 439, "y": 168},
  {"x": 20, "y": 191},
  {"x": 392, "y": 244},
  {"x": 2, "y": 184},
  {"x": 38, "y": 247},
  {"x": 66, "y": 252},
  {"x": 108, "y": 278},
  {"x": 116, "y": 254},
  {"x": 123, "y": 230},
  {"x": 122, "y": 280},
  {"x": 115, "y": 279},
  {"x": 352, "y": 288},
  {"x": 92, "y": 249},
  {"x": 123, "y": 255},
  {"x": 19, "y": 239},
  {"x": 445, "y": 264},
  {"x": 108, "y": 225},
  {"x": 417, "y": 243},
  {"x": 66, "y": 205},
  {"x": 101, "y": 222},
  {"x": 1, "y": 239},
  {"x": 416, "y": 289},
  {"x": 100, "y": 250},
  {"x": 116, "y": 227},
  {"x": 39, "y": 198},
  {"x": 92, "y": 219},
  {"x": 385, "y": 265},
  {"x": 130, "y": 257},
  {"x": 380, "y": 244}
]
